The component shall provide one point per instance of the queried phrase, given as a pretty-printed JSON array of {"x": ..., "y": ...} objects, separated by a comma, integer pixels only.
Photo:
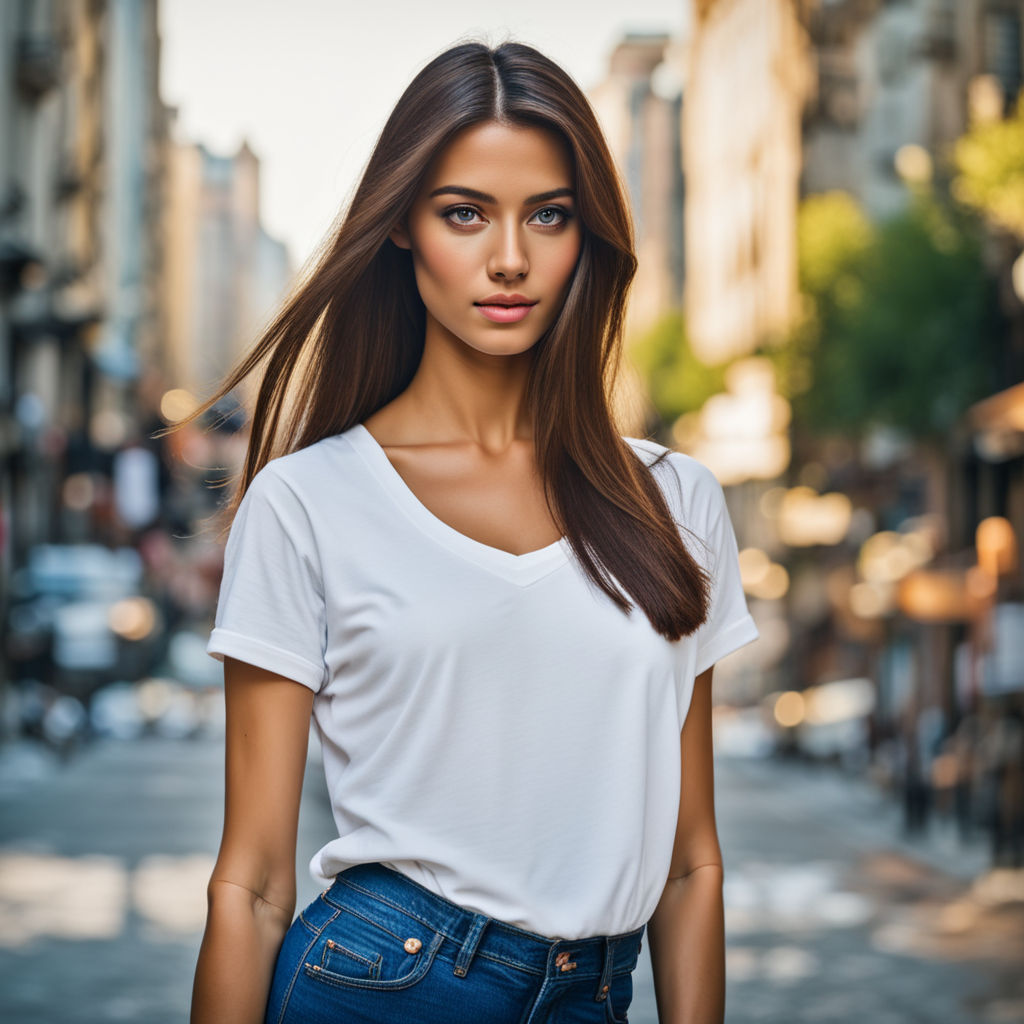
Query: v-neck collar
[{"x": 520, "y": 569}]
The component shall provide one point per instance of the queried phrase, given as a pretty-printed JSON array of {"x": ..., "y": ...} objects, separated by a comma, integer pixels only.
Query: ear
[{"x": 399, "y": 234}]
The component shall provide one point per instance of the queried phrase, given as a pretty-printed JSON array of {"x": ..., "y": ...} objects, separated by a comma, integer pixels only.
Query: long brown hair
[{"x": 349, "y": 337}]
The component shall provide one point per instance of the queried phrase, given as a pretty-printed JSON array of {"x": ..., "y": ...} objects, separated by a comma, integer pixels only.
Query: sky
[{"x": 310, "y": 83}]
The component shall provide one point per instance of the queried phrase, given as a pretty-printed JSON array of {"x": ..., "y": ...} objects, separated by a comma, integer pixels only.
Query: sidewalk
[
  {"x": 873, "y": 817},
  {"x": 103, "y": 870},
  {"x": 832, "y": 916}
]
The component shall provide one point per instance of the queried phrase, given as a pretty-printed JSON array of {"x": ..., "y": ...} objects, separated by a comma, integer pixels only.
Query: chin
[
  {"x": 490, "y": 339},
  {"x": 509, "y": 347}
]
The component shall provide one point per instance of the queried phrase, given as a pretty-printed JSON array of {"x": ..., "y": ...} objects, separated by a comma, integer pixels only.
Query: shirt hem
[
  {"x": 258, "y": 652},
  {"x": 740, "y": 633}
]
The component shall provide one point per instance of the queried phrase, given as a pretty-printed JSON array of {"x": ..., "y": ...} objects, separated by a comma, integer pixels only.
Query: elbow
[
  {"x": 710, "y": 870},
  {"x": 266, "y": 893}
]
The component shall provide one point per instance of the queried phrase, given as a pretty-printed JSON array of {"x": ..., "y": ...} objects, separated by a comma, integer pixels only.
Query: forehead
[{"x": 499, "y": 158}]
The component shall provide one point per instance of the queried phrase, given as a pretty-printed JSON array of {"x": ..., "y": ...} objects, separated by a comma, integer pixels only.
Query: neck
[{"x": 460, "y": 393}]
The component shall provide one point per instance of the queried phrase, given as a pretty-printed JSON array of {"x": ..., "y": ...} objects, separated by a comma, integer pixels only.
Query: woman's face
[{"x": 495, "y": 217}]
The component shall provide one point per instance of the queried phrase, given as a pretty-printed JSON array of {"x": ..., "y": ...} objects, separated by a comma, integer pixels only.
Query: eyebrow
[{"x": 483, "y": 197}]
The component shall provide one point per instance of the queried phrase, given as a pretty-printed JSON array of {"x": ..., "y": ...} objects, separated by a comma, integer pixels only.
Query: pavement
[{"x": 831, "y": 914}]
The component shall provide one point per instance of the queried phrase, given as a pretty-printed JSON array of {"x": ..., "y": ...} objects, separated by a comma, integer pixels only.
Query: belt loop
[
  {"x": 606, "y": 975},
  {"x": 469, "y": 946}
]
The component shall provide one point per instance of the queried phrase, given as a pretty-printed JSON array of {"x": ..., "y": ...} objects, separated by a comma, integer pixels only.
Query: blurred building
[
  {"x": 892, "y": 77},
  {"x": 81, "y": 173},
  {"x": 749, "y": 74},
  {"x": 897, "y": 84},
  {"x": 82, "y": 131},
  {"x": 128, "y": 265},
  {"x": 639, "y": 105},
  {"x": 923, "y": 593},
  {"x": 224, "y": 273}
]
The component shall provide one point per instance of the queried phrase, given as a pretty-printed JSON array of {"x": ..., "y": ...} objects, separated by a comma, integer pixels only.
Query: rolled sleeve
[
  {"x": 699, "y": 503},
  {"x": 270, "y": 609},
  {"x": 729, "y": 624}
]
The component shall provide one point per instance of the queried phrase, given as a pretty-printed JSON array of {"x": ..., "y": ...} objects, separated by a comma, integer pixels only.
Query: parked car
[{"x": 79, "y": 617}]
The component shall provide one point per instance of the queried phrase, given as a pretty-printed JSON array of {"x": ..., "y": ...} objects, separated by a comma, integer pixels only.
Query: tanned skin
[
  {"x": 251, "y": 893},
  {"x": 686, "y": 933}
]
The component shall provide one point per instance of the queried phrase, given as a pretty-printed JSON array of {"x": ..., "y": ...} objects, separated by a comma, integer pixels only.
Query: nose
[{"x": 508, "y": 258}]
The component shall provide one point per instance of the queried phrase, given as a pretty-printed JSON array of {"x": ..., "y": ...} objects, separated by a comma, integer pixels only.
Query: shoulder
[
  {"x": 691, "y": 488},
  {"x": 307, "y": 474},
  {"x": 300, "y": 491}
]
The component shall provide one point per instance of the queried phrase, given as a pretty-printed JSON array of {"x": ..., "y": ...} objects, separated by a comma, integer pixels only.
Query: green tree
[
  {"x": 832, "y": 232},
  {"x": 832, "y": 235},
  {"x": 677, "y": 381},
  {"x": 989, "y": 164},
  {"x": 901, "y": 326}
]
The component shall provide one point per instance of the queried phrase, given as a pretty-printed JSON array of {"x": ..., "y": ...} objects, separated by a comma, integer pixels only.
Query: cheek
[
  {"x": 441, "y": 264},
  {"x": 560, "y": 262}
]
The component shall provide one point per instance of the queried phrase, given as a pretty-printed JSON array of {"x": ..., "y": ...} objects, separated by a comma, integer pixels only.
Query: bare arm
[
  {"x": 686, "y": 933},
  {"x": 251, "y": 893}
]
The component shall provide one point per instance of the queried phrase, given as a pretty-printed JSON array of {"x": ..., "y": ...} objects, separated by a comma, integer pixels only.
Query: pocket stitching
[
  {"x": 380, "y": 899},
  {"x": 311, "y": 928},
  {"x": 609, "y": 1011},
  {"x": 415, "y": 975},
  {"x": 612, "y": 1019},
  {"x": 373, "y": 965},
  {"x": 295, "y": 976},
  {"x": 375, "y": 923}
]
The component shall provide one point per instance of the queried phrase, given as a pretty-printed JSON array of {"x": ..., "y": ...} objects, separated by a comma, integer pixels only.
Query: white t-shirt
[{"x": 492, "y": 725}]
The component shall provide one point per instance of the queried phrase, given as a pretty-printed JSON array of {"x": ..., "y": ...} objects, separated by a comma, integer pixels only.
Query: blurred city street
[
  {"x": 830, "y": 916},
  {"x": 827, "y": 313}
]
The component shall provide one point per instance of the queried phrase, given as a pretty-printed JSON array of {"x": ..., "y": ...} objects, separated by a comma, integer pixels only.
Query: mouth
[
  {"x": 506, "y": 299},
  {"x": 503, "y": 312}
]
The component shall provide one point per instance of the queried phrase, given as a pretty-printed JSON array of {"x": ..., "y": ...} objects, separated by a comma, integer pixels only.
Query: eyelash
[{"x": 566, "y": 215}]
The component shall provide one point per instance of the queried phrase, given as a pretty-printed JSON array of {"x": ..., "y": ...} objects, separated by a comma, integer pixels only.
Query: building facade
[
  {"x": 639, "y": 105},
  {"x": 224, "y": 272},
  {"x": 749, "y": 74},
  {"x": 896, "y": 78},
  {"x": 82, "y": 132}
]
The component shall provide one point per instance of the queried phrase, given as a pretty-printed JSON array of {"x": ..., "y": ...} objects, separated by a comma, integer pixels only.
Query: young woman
[{"x": 501, "y": 613}]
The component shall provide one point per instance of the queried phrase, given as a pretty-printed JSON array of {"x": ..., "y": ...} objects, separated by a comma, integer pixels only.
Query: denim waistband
[{"x": 476, "y": 934}]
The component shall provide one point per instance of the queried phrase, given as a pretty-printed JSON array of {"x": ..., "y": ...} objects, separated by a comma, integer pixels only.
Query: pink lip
[{"x": 504, "y": 314}]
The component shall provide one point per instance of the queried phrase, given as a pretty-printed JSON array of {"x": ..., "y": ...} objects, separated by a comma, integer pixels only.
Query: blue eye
[
  {"x": 463, "y": 216},
  {"x": 447, "y": 215},
  {"x": 560, "y": 210}
]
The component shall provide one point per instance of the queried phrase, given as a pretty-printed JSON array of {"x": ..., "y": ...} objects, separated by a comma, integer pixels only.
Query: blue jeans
[{"x": 379, "y": 948}]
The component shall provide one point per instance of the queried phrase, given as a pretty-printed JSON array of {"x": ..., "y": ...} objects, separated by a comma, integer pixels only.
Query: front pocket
[
  {"x": 358, "y": 951},
  {"x": 336, "y": 959}
]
